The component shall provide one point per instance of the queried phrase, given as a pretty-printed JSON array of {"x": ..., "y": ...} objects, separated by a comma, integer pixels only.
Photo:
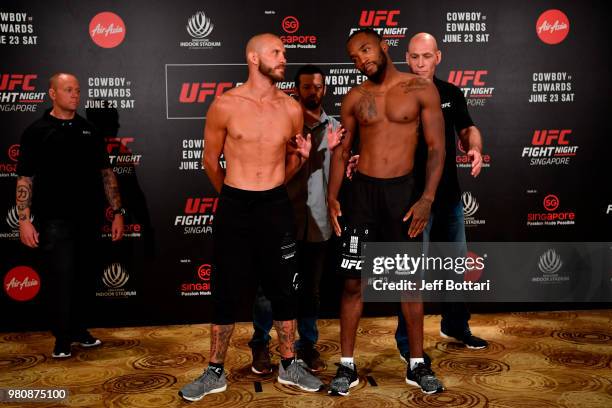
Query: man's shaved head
[
  {"x": 424, "y": 38},
  {"x": 53, "y": 80},
  {"x": 257, "y": 42}
]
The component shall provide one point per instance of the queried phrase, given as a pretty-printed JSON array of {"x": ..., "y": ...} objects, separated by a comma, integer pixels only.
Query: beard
[
  {"x": 381, "y": 66},
  {"x": 269, "y": 72},
  {"x": 312, "y": 103}
]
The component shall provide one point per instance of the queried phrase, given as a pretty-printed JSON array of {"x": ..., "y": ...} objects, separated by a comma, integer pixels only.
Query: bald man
[
  {"x": 67, "y": 199},
  {"x": 257, "y": 128},
  {"x": 446, "y": 222}
]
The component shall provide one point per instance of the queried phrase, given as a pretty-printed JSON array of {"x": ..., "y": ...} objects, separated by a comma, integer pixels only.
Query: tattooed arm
[
  {"x": 111, "y": 188},
  {"x": 27, "y": 232}
]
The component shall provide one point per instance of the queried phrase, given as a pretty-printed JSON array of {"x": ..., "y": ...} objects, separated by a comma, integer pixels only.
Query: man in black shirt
[
  {"x": 446, "y": 223},
  {"x": 62, "y": 171}
]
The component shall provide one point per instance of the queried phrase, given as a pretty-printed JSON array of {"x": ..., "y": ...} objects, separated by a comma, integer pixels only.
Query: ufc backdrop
[{"x": 535, "y": 74}]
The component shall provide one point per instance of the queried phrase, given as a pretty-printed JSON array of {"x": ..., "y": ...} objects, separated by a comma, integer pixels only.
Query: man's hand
[
  {"x": 352, "y": 165},
  {"x": 333, "y": 206},
  {"x": 476, "y": 159},
  {"x": 334, "y": 137},
  {"x": 420, "y": 216},
  {"x": 28, "y": 234},
  {"x": 117, "y": 227},
  {"x": 303, "y": 145}
]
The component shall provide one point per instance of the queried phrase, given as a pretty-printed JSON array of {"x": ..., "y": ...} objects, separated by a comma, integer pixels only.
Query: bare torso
[
  {"x": 257, "y": 132},
  {"x": 388, "y": 118}
]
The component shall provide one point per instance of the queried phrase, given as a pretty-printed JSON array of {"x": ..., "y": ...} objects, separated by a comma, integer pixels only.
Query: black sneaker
[
  {"x": 87, "y": 340},
  {"x": 345, "y": 379},
  {"x": 262, "y": 365},
  {"x": 62, "y": 349},
  {"x": 311, "y": 357},
  {"x": 466, "y": 338},
  {"x": 423, "y": 377},
  {"x": 405, "y": 357}
]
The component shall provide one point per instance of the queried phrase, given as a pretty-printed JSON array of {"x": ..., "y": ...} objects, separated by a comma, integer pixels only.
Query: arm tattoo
[
  {"x": 219, "y": 341},
  {"x": 111, "y": 188},
  {"x": 24, "y": 197},
  {"x": 286, "y": 337}
]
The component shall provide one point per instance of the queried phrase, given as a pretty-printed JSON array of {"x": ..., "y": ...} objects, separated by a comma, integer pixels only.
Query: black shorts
[
  {"x": 373, "y": 210},
  {"x": 254, "y": 244}
]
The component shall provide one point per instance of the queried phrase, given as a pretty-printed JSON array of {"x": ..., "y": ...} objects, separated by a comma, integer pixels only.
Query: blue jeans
[
  {"x": 445, "y": 225},
  {"x": 311, "y": 262}
]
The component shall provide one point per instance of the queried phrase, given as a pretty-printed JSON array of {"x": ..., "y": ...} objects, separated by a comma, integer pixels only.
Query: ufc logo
[
  {"x": 8, "y": 82},
  {"x": 118, "y": 144},
  {"x": 375, "y": 18},
  {"x": 201, "y": 205},
  {"x": 351, "y": 263},
  {"x": 198, "y": 92},
  {"x": 462, "y": 78},
  {"x": 547, "y": 137}
]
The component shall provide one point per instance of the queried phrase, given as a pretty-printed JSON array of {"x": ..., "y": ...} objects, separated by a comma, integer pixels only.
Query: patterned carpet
[{"x": 543, "y": 359}]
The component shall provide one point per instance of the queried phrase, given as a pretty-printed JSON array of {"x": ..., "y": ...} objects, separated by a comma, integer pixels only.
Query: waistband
[
  {"x": 239, "y": 194},
  {"x": 393, "y": 180}
]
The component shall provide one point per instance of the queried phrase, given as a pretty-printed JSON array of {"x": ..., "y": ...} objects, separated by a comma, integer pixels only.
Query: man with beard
[
  {"x": 254, "y": 232},
  {"x": 308, "y": 194},
  {"x": 387, "y": 111}
]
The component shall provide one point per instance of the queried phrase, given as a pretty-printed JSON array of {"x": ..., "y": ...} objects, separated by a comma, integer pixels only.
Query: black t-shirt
[
  {"x": 65, "y": 159},
  {"x": 456, "y": 118}
]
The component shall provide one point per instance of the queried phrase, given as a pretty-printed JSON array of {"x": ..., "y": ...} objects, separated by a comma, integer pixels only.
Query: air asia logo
[
  {"x": 473, "y": 85},
  {"x": 385, "y": 23},
  {"x": 199, "y": 27},
  {"x": 201, "y": 287},
  {"x": 463, "y": 160},
  {"x": 465, "y": 27},
  {"x": 22, "y": 283},
  {"x": 9, "y": 169},
  {"x": 130, "y": 230},
  {"x": 115, "y": 277},
  {"x": 198, "y": 217},
  {"x": 549, "y": 264},
  {"x": 109, "y": 93},
  {"x": 18, "y": 93},
  {"x": 16, "y": 29},
  {"x": 191, "y": 155},
  {"x": 552, "y": 27},
  {"x": 107, "y": 29},
  {"x": 551, "y": 217},
  {"x": 550, "y": 147},
  {"x": 121, "y": 156},
  {"x": 470, "y": 207},
  {"x": 292, "y": 39}
]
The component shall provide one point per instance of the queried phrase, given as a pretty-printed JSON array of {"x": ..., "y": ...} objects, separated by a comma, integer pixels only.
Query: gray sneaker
[
  {"x": 297, "y": 374},
  {"x": 207, "y": 383}
]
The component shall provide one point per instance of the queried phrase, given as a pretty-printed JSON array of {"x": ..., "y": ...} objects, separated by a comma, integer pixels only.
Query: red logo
[
  {"x": 552, "y": 27},
  {"x": 473, "y": 273},
  {"x": 8, "y": 82},
  {"x": 118, "y": 144},
  {"x": 547, "y": 137},
  {"x": 22, "y": 283},
  {"x": 463, "y": 78},
  {"x": 551, "y": 202},
  {"x": 201, "y": 205},
  {"x": 204, "y": 272},
  {"x": 198, "y": 92},
  {"x": 107, "y": 29},
  {"x": 13, "y": 152},
  {"x": 376, "y": 18},
  {"x": 290, "y": 24}
]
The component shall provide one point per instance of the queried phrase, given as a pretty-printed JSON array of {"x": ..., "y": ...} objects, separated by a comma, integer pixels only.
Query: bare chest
[
  {"x": 398, "y": 105},
  {"x": 269, "y": 124}
]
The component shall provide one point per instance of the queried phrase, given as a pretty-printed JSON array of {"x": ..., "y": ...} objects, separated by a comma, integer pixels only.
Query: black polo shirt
[{"x": 65, "y": 159}]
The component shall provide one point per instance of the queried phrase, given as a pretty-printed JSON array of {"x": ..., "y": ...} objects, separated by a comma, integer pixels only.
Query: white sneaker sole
[
  {"x": 288, "y": 382},
  {"x": 260, "y": 372},
  {"x": 86, "y": 345},
  {"x": 61, "y": 355},
  {"x": 193, "y": 399},
  {"x": 422, "y": 390},
  {"x": 446, "y": 336},
  {"x": 344, "y": 394}
]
